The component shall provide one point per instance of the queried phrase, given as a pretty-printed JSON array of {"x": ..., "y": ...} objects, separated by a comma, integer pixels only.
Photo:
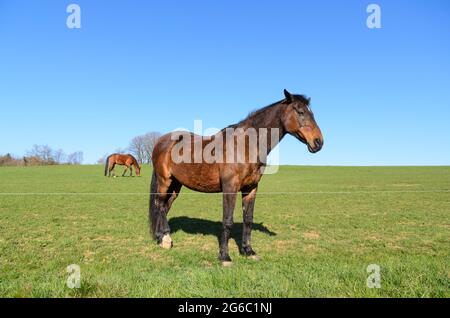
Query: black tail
[
  {"x": 107, "y": 165},
  {"x": 153, "y": 215}
]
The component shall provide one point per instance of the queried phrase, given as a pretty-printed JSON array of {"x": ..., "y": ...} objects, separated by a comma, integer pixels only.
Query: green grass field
[{"x": 317, "y": 229}]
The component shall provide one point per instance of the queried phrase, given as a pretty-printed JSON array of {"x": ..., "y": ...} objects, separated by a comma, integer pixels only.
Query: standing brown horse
[
  {"x": 198, "y": 163},
  {"x": 124, "y": 160}
]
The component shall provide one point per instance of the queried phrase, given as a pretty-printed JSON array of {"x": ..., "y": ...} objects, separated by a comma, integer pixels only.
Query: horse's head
[
  {"x": 138, "y": 170},
  {"x": 298, "y": 120}
]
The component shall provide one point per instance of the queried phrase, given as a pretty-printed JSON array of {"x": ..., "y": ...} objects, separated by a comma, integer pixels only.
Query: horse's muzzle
[{"x": 318, "y": 144}]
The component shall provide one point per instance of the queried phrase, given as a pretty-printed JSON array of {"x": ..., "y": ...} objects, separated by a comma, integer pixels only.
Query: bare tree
[
  {"x": 142, "y": 146},
  {"x": 102, "y": 160},
  {"x": 41, "y": 155},
  {"x": 137, "y": 148},
  {"x": 43, "y": 152},
  {"x": 59, "y": 156},
  {"x": 150, "y": 141},
  {"x": 75, "y": 158}
]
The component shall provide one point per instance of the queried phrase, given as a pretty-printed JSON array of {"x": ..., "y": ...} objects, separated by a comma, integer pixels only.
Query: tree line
[
  {"x": 42, "y": 155},
  {"x": 141, "y": 147}
]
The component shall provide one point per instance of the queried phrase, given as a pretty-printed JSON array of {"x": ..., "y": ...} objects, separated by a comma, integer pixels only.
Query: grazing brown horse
[
  {"x": 124, "y": 160},
  {"x": 291, "y": 115}
]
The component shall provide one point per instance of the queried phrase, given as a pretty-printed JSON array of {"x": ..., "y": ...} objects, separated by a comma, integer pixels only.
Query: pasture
[{"x": 316, "y": 240}]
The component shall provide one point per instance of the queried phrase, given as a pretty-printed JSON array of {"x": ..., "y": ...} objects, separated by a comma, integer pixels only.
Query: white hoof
[
  {"x": 254, "y": 258},
  {"x": 227, "y": 263},
  {"x": 166, "y": 242}
]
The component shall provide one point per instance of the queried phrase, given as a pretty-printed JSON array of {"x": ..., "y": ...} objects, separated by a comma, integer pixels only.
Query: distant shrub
[
  {"x": 37, "y": 161},
  {"x": 8, "y": 160}
]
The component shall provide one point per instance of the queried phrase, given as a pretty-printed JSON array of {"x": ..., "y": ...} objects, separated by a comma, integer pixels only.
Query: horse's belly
[{"x": 198, "y": 177}]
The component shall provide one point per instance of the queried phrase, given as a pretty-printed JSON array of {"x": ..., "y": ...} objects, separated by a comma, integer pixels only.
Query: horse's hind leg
[
  {"x": 248, "y": 205},
  {"x": 174, "y": 190},
  {"x": 111, "y": 168},
  {"x": 166, "y": 204},
  {"x": 160, "y": 201},
  {"x": 229, "y": 202}
]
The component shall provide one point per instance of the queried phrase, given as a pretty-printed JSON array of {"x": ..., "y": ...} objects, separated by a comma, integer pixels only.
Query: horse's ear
[{"x": 288, "y": 96}]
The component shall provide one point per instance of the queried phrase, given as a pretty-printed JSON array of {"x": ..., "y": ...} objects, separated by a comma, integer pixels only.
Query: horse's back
[
  {"x": 202, "y": 176},
  {"x": 121, "y": 159}
]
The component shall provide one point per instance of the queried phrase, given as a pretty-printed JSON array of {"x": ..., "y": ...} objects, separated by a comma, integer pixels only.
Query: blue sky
[{"x": 381, "y": 97}]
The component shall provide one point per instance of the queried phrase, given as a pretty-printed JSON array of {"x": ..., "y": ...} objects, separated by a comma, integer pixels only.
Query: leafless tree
[
  {"x": 150, "y": 141},
  {"x": 75, "y": 158},
  {"x": 137, "y": 148},
  {"x": 43, "y": 152},
  {"x": 102, "y": 160},
  {"x": 142, "y": 146},
  {"x": 59, "y": 156}
]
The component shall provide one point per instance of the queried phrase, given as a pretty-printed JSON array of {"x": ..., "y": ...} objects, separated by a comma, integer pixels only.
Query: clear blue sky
[{"x": 381, "y": 97}]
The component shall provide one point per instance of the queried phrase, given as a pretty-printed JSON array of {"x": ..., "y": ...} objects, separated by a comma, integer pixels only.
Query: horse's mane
[
  {"x": 129, "y": 154},
  {"x": 258, "y": 115}
]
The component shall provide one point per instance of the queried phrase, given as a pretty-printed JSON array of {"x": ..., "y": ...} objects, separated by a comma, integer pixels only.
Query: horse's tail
[
  {"x": 107, "y": 165},
  {"x": 153, "y": 215}
]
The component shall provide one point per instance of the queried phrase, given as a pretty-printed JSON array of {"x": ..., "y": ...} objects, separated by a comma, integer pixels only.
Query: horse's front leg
[
  {"x": 248, "y": 205},
  {"x": 126, "y": 168},
  {"x": 229, "y": 202}
]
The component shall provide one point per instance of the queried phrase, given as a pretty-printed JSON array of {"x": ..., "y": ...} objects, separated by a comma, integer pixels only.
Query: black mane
[
  {"x": 257, "y": 116},
  {"x": 303, "y": 98}
]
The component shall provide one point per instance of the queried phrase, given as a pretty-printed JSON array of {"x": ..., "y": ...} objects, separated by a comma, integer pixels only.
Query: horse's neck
[
  {"x": 270, "y": 128},
  {"x": 270, "y": 131},
  {"x": 274, "y": 137}
]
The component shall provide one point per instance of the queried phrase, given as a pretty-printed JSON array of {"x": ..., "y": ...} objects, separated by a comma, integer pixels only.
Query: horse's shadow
[{"x": 207, "y": 227}]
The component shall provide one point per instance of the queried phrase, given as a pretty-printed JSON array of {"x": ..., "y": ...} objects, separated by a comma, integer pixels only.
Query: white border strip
[{"x": 202, "y": 193}]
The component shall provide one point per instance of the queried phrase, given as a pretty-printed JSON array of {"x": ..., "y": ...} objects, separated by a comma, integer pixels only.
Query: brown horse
[
  {"x": 198, "y": 163},
  {"x": 124, "y": 160}
]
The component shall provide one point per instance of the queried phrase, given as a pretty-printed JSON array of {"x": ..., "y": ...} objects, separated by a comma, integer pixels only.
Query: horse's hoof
[
  {"x": 227, "y": 263},
  {"x": 254, "y": 258},
  {"x": 166, "y": 242}
]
